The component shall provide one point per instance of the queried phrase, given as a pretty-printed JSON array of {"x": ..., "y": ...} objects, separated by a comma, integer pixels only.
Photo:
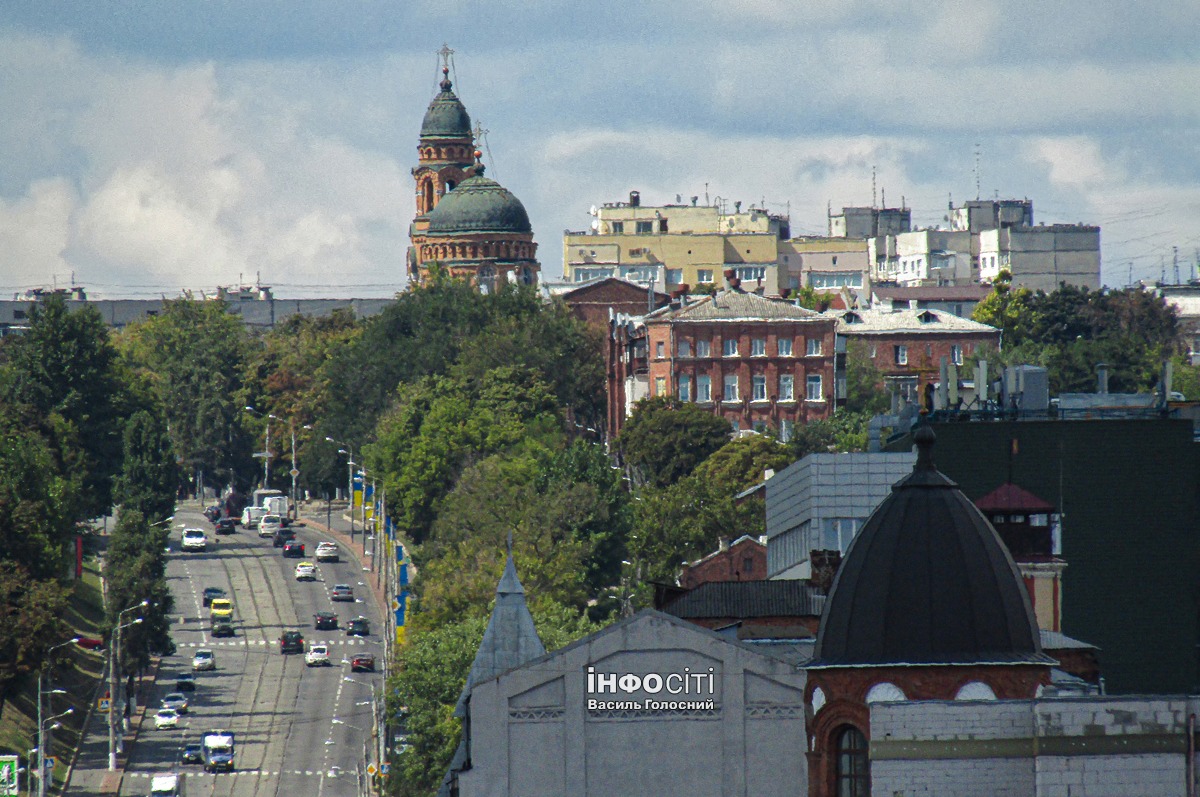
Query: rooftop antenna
[
  {"x": 873, "y": 195},
  {"x": 1175, "y": 262},
  {"x": 706, "y": 202},
  {"x": 977, "y": 149},
  {"x": 1130, "y": 283}
]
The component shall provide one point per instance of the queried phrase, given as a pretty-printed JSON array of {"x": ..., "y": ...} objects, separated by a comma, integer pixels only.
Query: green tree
[
  {"x": 865, "y": 389},
  {"x": 149, "y": 477},
  {"x": 665, "y": 439},
  {"x": 64, "y": 368},
  {"x": 740, "y": 463},
  {"x": 1010, "y": 309},
  {"x": 135, "y": 570},
  {"x": 845, "y": 431},
  {"x": 31, "y": 612}
]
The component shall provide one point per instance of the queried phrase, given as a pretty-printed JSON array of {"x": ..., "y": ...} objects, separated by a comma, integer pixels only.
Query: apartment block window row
[
  {"x": 758, "y": 388},
  {"x": 813, "y": 347},
  {"x": 730, "y": 390},
  {"x": 730, "y": 347},
  {"x": 784, "y": 347}
]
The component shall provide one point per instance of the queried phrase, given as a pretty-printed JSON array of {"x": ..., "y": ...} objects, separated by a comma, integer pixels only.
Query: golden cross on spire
[
  {"x": 479, "y": 132},
  {"x": 445, "y": 53}
]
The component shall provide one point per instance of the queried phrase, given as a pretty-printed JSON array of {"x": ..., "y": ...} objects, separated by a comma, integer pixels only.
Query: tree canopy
[{"x": 664, "y": 439}]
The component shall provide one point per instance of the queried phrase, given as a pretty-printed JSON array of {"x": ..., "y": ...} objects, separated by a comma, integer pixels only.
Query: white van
[
  {"x": 251, "y": 515},
  {"x": 165, "y": 786},
  {"x": 269, "y": 524}
]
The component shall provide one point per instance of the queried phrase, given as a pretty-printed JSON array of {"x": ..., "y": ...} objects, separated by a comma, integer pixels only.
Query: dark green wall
[{"x": 1128, "y": 490}]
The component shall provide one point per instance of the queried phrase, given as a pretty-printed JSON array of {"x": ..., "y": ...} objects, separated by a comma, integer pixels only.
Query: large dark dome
[
  {"x": 927, "y": 581},
  {"x": 446, "y": 117},
  {"x": 478, "y": 204}
]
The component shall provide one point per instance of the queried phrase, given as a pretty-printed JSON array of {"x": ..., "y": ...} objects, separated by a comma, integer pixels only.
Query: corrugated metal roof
[
  {"x": 1054, "y": 640},
  {"x": 747, "y": 599},
  {"x": 736, "y": 306},
  {"x": 923, "y": 322}
]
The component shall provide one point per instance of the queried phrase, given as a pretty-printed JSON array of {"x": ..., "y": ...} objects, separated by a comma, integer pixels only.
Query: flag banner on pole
[{"x": 358, "y": 486}]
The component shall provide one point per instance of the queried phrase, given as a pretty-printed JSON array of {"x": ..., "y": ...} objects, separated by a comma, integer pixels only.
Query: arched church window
[
  {"x": 975, "y": 690},
  {"x": 487, "y": 279},
  {"x": 427, "y": 196},
  {"x": 885, "y": 693},
  {"x": 852, "y": 774}
]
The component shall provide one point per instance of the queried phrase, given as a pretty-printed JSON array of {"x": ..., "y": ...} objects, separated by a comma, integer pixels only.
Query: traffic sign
[
  {"x": 371, "y": 770},
  {"x": 49, "y": 763},
  {"x": 102, "y": 704},
  {"x": 293, "y": 473},
  {"x": 9, "y": 765},
  {"x": 385, "y": 767}
]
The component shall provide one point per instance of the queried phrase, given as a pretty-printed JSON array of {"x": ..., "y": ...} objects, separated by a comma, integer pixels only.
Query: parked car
[
  {"x": 291, "y": 642},
  {"x": 317, "y": 656},
  {"x": 342, "y": 592},
  {"x": 359, "y": 626},
  {"x": 210, "y": 594},
  {"x": 269, "y": 524},
  {"x": 166, "y": 718},
  {"x": 192, "y": 754},
  {"x": 282, "y": 537},
  {"x": 306, "y": 571},
  {"x": 325, "y": 620},
  {"x": 185, "y": 682},
  {"x": 91, "y": 643},
  {"x": 293, "y": 549},
  {"x": 204, "y": 659},
  {"x": 194, "y": 540},
  {"x": 225, "y": 525},
  {"x": 362, "y": 662},
  {"x": 177, "y": 701},
  {"x": 328, "y": 552},
  {"x": 223, "y": 628}
]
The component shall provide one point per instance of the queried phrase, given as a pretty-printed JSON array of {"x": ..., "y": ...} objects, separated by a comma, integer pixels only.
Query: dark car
[
  {"x": 222, "y": 629},
  {"x": 358, "y": 627},
  {"x": 342, "y": 592},
  {"x": 185, "y": 682},
  {"x": 192, "y": 754},
  {"x": 225, "y": 525},
  {"x": 283, "y": 537},
  {"x": 213, "y": 512},
  {"x": 293, "y": 549},
  {"x": 325, "y": 620},
  {"x": 291, "y": 642},
  {"x": 362, "y": 662},
  {"x": 211, "y": 594}
]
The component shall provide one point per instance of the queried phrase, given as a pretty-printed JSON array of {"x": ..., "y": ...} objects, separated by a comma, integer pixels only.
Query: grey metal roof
[
  {"x": 736, "y": 306},
  {"x": 1054, "y": 640},
  {"x": 747, "y": 599}
]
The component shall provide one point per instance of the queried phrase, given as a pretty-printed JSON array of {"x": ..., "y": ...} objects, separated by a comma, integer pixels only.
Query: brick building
[
  {"x": 595, "y": 302},
  {"x": 907, "y": 346},
  {"x": 759, "y": 363},
  {"x": 745, "y": 559}
]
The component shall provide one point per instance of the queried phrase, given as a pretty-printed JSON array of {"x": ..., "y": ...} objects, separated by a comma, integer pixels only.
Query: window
[
  {"x": 674, "y": 276},
  {"x": 873, "y": 351},
  {"x": 662, "y": 225},
  {"x": 618, "y": 228},
  {"x": 750, "y": 273},
  {"x": 734, "y": 424},
  {"x": 703, "y": 348},
  {"x": 785, "y": 347},
  {"x": 835, "y": 260},
  {"x": 19, "y": 314},
  {"x": 588, "y": 274},
  {"x": 645, "y": 227},
  {"x": 838, "y": 532},
  {"x": 901, "y": 355},
  {"x": 660, "y": 386},
  {"x": 685, "y": 388},
  {"x": 685, "y": 348},
  {"x": 704, "y": 275},
  {"x": 730, "y": 347},
  {"x": 851, "y": 768},
  {"x": 787, "y": 387},
  {"x": 747, "y": 565},
  {"x": 758, "y": 347},
  {"x": 814, "y": 390},
  {"x": 786, "y": 429},
  {"x": 758, "y": 388},
  {"x": 956, "y": 355},
  {"x": 658, "y": 349},
  {"x": 731, "y": 388},
  {"x": 814, "y": 347},
  {"x": 704, "y": 389}
]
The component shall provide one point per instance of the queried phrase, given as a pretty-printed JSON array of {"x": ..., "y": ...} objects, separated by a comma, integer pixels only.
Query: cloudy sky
[{"x": 152, "y": 146}]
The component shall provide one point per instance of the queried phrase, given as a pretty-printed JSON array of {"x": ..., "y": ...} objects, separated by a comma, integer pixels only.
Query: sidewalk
[{"x": 89, "y": 773}]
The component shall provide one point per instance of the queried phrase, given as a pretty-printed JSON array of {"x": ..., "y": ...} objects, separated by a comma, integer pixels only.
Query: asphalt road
[{"x": 298, "y": 730}]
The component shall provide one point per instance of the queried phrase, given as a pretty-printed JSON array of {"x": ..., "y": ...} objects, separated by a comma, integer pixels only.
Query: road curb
[{"x": 344, "y": 539}]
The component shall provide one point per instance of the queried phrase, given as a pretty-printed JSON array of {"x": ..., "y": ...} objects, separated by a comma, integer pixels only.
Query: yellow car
[{"x": 221, "y": 609}]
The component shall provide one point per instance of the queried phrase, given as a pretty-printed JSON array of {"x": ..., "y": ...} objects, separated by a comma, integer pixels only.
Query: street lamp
[
  {"x": 113, "y": 665},
  {"x": 42, "y": 723},
  {"x": 266, "y": 443},
  {"x": 348, "y": 450}
]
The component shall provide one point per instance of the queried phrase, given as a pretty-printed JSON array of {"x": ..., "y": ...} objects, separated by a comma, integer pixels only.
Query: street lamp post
[
  {"x": 266, "y": 443},
  {"x": 41, "y": 723},
  {"x": 348, "y": 450},
  {"x": 113, "y": 681}
]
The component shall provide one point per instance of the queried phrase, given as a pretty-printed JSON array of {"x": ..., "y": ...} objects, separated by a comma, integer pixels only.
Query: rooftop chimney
[
  {"x": 635, "y": 199},
  {"x": 723, "y": 544},
  {"x": 1102, "y": 378}
]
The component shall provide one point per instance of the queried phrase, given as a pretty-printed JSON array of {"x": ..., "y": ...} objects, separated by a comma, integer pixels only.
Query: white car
[
  {"x": 194, "y": 540},
  {"x": 306, "y": 571},
  {"x": 317, "y": 656},
  {"x": 327, "y": 552},
  {"x": 204, "y": 659},
  {"x": 166, "y": 718},
  {"x": 269, "y": 525}
]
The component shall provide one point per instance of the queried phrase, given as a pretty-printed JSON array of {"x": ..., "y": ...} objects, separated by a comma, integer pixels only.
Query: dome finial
[
  {"x": 924, "y": 438},
  {"x": 445, "y": 53},
  {"x": 479, "y": 167}
]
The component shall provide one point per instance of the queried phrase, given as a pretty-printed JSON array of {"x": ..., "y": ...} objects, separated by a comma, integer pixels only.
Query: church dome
[
  {"x": 446, "y": 116},
  {"x": 927, "y": 581},
  {"x": 478, "y": 204}
]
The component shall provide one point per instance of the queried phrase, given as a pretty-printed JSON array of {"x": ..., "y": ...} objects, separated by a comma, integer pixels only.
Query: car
[
  {"x": 282, "y": 537},
  {"x": 317, "y": 656},
  {"x": 359, "y": 626},
  {"x": 325, "y": 620},
  {"x": 204, "y": 659},
  {"x": 223, "y": 628},
  {"x": 328, "y": 552},
  {"x": 342, "y": 592},
  {"x": 291, "y": 642},
  {"x": 293, "y": 549},
  {"x": 192, "y": 754},
  {"x": 185, "y": 682},
  {"x": 225, "y": 525},
  {"x": 194, "y": 540},
  {"x": 213, "y": 513},
  {"x": 211, "y": 593},
  {"x": 220, "y": 609},
  {"x": 306, "y": 571},
  {"x": 166, "y": 718},
  {"x": 176, "y": 701},
  {"x": 269, "y": 525},
  {"x": 362, "y": 662},
  {"x": 91, "y": 643}
]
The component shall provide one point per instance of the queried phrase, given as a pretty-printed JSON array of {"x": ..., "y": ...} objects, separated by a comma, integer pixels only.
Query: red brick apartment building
[{"x": 760, "y": 363}]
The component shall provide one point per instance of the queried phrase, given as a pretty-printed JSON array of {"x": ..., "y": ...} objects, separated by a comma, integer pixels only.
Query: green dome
[
  {"x": 446, "y": 117},
  {"x": 478, "y": 204}
]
